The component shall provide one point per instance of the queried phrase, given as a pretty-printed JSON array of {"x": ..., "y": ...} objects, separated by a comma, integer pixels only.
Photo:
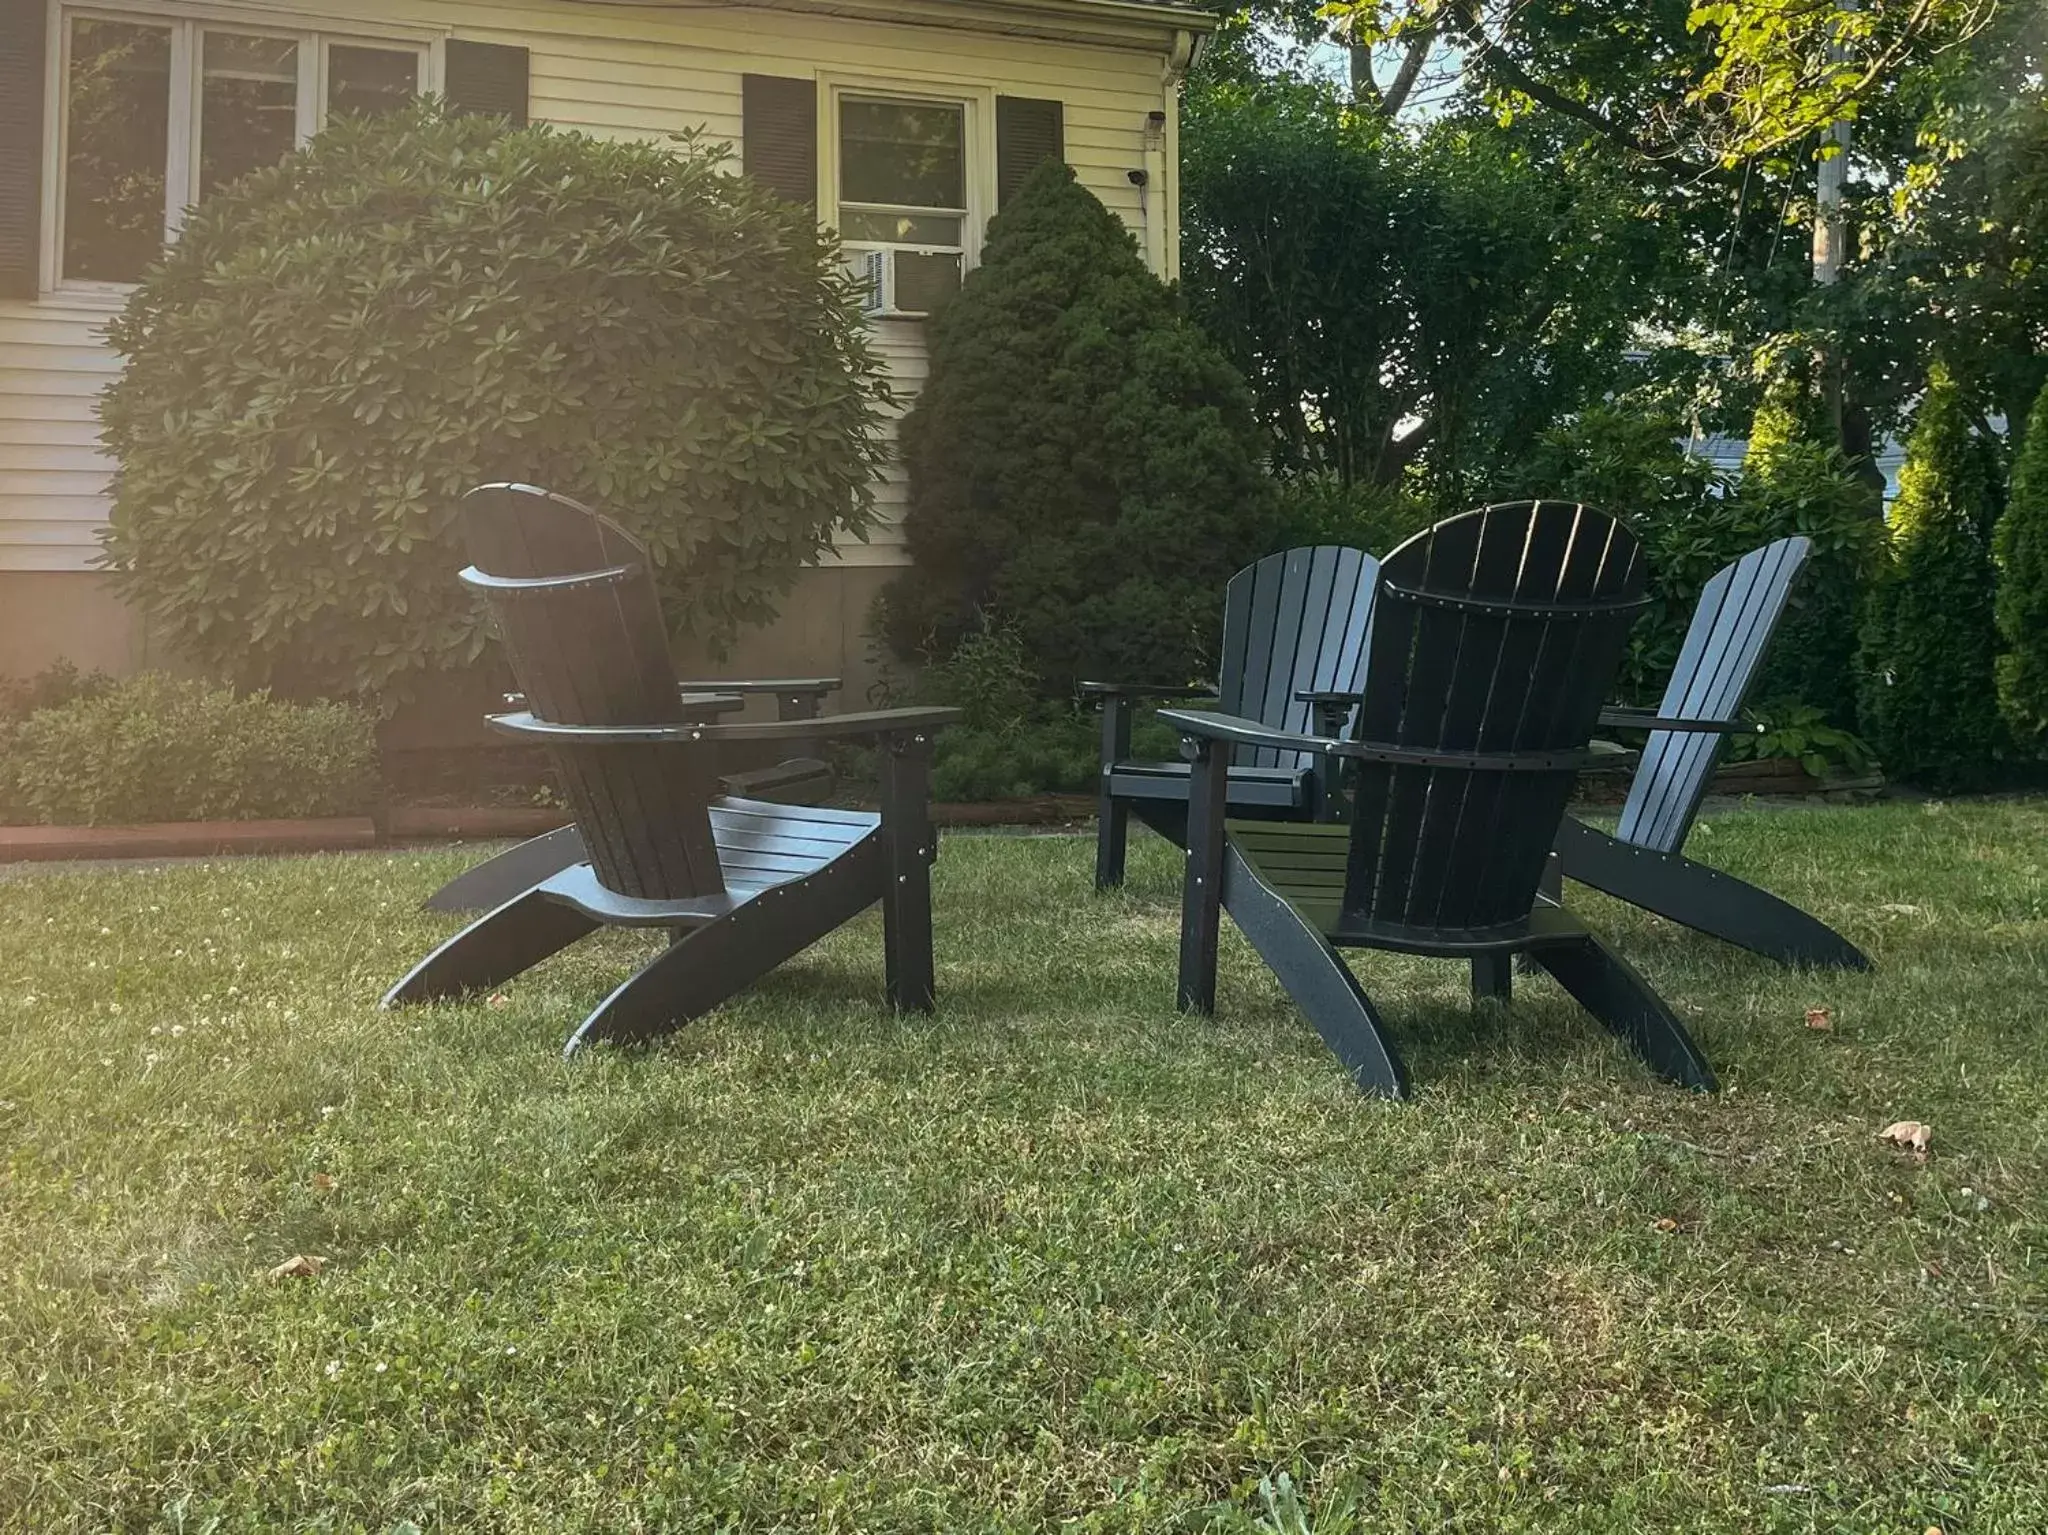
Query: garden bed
[{"x": 408, "y": 825}]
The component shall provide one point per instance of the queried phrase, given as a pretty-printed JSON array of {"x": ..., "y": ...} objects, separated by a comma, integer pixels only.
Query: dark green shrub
[
  {"x": 988, "y": 678},
  {"x": 336, "y": 347},
  {"x": 1054, "y": 754},
  {"x": 58, "y": 683},
  {"x": 1798, "y": 486},
  {"x": 1929, "y": 703},
  {"x": 1630, "y": 464},
  {"x": 1693, "y": 521},
  {"x": 1321, "y": 509},
  {"x": 1083, "y": 463},
  {"x": 159, "y": 748},
  {"x": 2021, "y": 547},
  {"x": 1012, "y": 742}
]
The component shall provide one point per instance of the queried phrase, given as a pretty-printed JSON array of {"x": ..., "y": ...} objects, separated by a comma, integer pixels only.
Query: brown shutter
[
  {"x": 1028, "y": 132},
  {"x": 21, "y": 145},
  {"x": 779, "y": 135},
  {"x": 487, "y": 78}
]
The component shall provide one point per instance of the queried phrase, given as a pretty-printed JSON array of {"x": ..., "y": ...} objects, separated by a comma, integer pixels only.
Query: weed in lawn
[{"x": 1054, "y": 1258}]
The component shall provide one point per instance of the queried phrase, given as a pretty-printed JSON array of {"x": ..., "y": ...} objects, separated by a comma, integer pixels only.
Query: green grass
[{"x": 1055, "y": 1258}]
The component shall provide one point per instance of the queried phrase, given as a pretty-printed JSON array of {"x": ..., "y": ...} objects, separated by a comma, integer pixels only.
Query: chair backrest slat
[
  {"x": 588, "y": 647},
  {"x": 1724, "y": 649},
  {"x": 1497, "y": 631},
  {"x": 1293, "y": 621}
]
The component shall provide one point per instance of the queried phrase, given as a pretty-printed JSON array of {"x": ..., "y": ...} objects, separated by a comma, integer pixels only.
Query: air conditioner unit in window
[
  {"x": 872, "y": 268},
  {"x": 905, "y": 282}
]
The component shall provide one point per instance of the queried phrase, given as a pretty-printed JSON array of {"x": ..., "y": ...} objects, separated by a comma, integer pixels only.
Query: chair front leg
[
  {"x": 911, "y": 847},
  {"x": 1201, "y": 902}
]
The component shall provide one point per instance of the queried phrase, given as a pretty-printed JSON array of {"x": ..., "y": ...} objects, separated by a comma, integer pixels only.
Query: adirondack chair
[
  {"x": 524, "y": 531},
  {"x": 1294, "y": 629},
  {"x": 742, "y": 884},
  {"x": 1495, "y": 636},
  {"x": 1642, "y": 863}
]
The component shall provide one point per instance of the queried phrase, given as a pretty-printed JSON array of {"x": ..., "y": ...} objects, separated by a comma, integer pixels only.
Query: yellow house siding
[
  {"x": 53, "y": 476},
  {"x": 640, "y": 72}
]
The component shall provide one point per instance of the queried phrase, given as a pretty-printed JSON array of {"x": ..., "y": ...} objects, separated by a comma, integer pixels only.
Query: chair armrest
[
  {"x": 1330, "y": 705},
  {"x": 722, "y": 701},
  {"x": 817, "y": 687},
  {"x": 1144, "y": 690},
  {"x": 879, "y": 722},
  {"x": 1243, "y": 732},
  {"x": 1650, "y": 719},
  {"x": 796, "y": 698},
  {"x": 870, "y": 722}
]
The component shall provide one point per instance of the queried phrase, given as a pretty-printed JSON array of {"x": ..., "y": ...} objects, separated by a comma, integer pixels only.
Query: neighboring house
[
  {"x": 904, "y": 122},
  {"x": 1726, "y": 454}
]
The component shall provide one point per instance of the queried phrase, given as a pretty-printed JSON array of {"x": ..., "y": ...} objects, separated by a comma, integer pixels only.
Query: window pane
[
  {"x": 902, "y": 152},
  {"x": 117, "y": 103},
  {"x": 371, "y": 80},
  {"x": 923, "y": 282},
  {"x": 899, "y": 228},
  {"x": 248, "y": 106}
]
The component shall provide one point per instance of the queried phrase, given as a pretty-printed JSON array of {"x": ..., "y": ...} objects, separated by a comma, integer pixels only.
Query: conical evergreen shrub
[
  {"x": 1794, "y": 483},
  {"x": 1083, "y": 461},
  {"x": 1787, "y": 413},
  {"x": 1929, "y": 704},
  {"x": 2021, "y": 549}
]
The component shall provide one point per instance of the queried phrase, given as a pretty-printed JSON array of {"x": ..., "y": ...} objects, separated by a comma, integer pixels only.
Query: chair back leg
[
  {"x": 1112, "y": 815},
  {"x": 494, "y": 948},
  {"x": 1609, "y": 988}
]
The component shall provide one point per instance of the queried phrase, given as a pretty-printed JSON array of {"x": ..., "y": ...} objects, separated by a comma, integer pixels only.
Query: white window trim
[
  {"x": 978, "y": 152},
  {"x": 313, "y": 29}
]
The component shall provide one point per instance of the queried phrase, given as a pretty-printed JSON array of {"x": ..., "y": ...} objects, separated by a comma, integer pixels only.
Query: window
[
  {"x": 903, "y": 211},
  {"x": 156, "y": 114}
]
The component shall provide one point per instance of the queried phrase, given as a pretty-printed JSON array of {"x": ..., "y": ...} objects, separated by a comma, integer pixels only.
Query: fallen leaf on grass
[
  {"x": 1910, "y": 1134},
  {"x": 1820, "y": 1018},
  {"x": 498, "y": 999},
  {"x": 1667, "y": 1224},
  {"x": 299, "y": 1266},
  {"x": 322, "y": 1182}
]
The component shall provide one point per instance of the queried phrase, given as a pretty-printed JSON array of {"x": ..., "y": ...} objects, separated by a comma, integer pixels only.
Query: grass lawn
[{"x": 1055, "y": 1258}]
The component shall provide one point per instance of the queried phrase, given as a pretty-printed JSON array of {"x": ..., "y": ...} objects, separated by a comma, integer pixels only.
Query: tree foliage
[
  {"x": 2021, "y": 547},
  {"x": 1083, "y": 461},
  {"x": 1693, "y": 520},
  {"x": 1928, "y": 703},
  {"x": 1400, "y": 300},
  {"x": 338, "y": 346}
]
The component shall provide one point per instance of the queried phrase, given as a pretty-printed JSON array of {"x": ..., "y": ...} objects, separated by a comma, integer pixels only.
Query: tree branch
[
  {"x": 1509, "y": 71},
  {"x": 1396, "y": 95},
  {"x": 1364, "y": 89}
]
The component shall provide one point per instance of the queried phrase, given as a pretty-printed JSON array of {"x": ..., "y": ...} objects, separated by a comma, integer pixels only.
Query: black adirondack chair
[
  {"x": 741, "y": 884},
  {"x": 1642, "y": 863},
  {"x": 1294, "y": 629},
  {"x": 524, "y": 531},
  {"x": 1495, "y": 636}
]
